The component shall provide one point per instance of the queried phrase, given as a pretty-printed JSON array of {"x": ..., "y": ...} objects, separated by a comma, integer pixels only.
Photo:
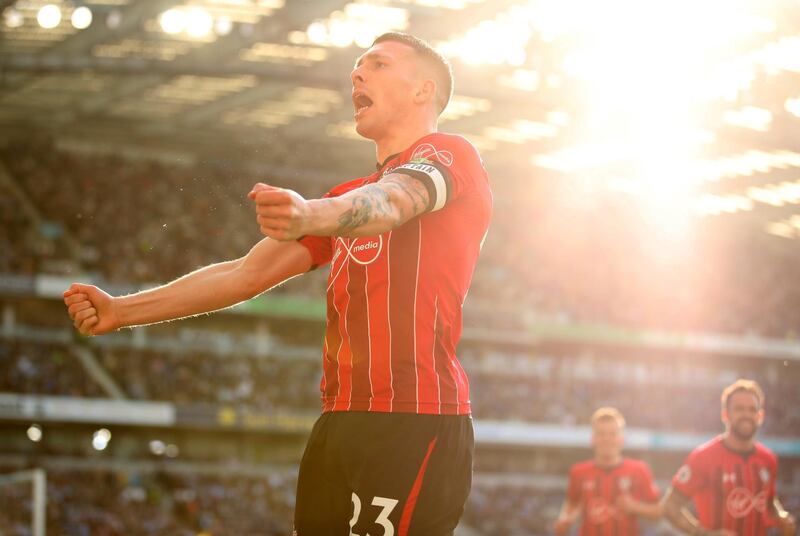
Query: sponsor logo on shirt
[
  {"x": 427, "y": 151},
  {"x": 764, "y": 474},
  {"x": 741, "y": 502},
  {"x": 362, "y": 250},
  {"x": 684, "y": 474},
  {"x": 599, "y": 511}
]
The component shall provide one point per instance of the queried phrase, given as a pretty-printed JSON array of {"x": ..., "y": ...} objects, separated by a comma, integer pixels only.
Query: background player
[
  {"x": 732, "y": 477},
  {"x": 610, "y": 492},
  {"x": 392, "y": 451}
]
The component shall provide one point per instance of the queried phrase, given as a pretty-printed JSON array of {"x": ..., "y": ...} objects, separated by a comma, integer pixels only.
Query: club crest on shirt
[
  {"x": 625, "y": 483},
  {"x": 426, "y": 151},
  {"x": 684, "y": 474},
  {"x": 764, "y": 474},
  {"x": 588, "y": 485}
]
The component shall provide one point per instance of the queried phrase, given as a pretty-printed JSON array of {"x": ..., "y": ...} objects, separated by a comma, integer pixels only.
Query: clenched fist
[
  {"x": 281, "y": 214},
  {"x": 92, "y": 311}
]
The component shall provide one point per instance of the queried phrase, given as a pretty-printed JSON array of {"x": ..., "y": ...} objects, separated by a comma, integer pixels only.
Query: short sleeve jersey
[
  {"x": 731, "y": 490},
  {"x": 596, "y": 489},
  {"x": 394, "y": 299}
]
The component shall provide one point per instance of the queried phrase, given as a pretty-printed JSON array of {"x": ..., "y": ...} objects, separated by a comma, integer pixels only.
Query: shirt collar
[{"x": 380, "y": 166}]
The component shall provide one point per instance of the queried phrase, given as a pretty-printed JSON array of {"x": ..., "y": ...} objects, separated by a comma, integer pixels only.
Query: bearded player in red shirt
[
  {"x": 609, "y": 491},
  {"x": 732, "y": 477},
  {"x": 392, "y": 451}
]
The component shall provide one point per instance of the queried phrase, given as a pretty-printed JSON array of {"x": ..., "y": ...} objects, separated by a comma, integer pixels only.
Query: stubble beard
[{"x": 744, "y": 433}]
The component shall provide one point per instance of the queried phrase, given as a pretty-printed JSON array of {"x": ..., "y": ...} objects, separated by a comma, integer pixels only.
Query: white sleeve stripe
[
  {"x": 441, "y": 189},
  {"x": 437, "y": 180}
]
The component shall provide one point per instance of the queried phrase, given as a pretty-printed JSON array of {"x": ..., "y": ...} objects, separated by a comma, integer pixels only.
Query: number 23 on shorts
[{"x": 387, "y": 506}]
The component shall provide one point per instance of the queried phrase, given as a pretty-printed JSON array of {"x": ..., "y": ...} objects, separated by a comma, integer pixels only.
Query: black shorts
[{"x": 384, "y": 474}]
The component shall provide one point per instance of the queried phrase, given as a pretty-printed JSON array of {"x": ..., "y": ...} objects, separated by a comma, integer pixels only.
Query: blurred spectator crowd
[
  {"x": 108, "y": 503},
  {"x": 47, "y": 369},
  {"x": 103, "y": 502},
  {"x": 129, "y": 221},
  {"x": 591, "y": 259},
  {"x": 261, "y": 383},
  {"x": 677, "y": 395}
]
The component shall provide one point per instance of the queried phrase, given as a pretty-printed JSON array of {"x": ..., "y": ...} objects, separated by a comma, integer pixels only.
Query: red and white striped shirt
[
  {"x": 731, "y": 490},
  {"x": 394, "y": 299},
  {"x": 597, "y": 488}
]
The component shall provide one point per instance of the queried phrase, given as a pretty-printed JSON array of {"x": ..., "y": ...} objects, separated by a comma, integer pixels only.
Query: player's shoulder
[
  {"x": 710, "y": 448},
  {"x": 446, "y": 148},
  {"x": 583, "y": 467},
  {"x": 765, "y": 452},
  {"x": 634, "y": 465},
  {"x": 446, "y": 137}
]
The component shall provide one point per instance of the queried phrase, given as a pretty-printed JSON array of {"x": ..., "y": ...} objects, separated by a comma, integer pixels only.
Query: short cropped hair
[
  {"x": 441, "y": 67},
  {"x": 748, "y": 386},
  {"x": 608, "y": 414}
]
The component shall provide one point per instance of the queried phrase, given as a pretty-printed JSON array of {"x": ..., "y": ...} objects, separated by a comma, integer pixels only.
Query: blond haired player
[{"x": 609, "y": 492}]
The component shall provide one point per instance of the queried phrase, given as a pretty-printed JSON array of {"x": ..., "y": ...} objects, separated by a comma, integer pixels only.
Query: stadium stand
[
  {"x": 199, "y": 215},
  {"x": 528, "y": 386}
]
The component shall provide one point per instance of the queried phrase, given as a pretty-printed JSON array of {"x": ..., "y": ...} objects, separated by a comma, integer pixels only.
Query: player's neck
[
  {"x": 737, "y": 444},
  {"x": 398, "y": 140},
  {"x": 608, "y": 461}
]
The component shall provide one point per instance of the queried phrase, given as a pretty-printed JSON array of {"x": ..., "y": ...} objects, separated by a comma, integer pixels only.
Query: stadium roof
[{"x": 691, "y": 106}]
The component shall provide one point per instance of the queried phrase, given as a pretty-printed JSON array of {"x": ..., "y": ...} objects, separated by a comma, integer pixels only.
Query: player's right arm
[
  {"x": 675, "y": 510},
  {"x": 570, "y": 512},
  {"x": 208, "y": 289},
  {"x": 572, "y": 507}
]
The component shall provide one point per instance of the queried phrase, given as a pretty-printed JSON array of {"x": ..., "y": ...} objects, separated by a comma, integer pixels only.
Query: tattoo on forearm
[
  {"x": 373, "y": 202},
  {"x": 370, "y": 202}
]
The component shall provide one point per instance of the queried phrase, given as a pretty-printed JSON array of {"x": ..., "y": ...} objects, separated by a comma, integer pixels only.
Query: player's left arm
[
  {"x": 787, "y": 523},
  {"x": 371, "y": 209}
]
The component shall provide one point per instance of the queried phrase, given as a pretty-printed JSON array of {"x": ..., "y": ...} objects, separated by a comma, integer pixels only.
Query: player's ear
[
  {"x": 760, "y": 417},
  {"x": 426, "y": 91}
]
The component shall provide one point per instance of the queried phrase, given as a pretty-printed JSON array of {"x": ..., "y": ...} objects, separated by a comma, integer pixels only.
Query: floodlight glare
[
  {"x": 317, "y": 33},
  {"x": 223, "y": 26},
  {"x": 49, "y": 16},
  {"x": 157, "y": 447},
  {"x": 364, "y": 37},
  {"x": 100, "y": 439},
  {"x": 114, "y": 19},
  {"x": 35, "y": 433},
  {"x": 172, "y": 21},
  {"x": 341, "y": 33},
  {"x": 13, "y": 18},
  {"x": 82, "y": 17},
  {"x": 198, "y": 22}
]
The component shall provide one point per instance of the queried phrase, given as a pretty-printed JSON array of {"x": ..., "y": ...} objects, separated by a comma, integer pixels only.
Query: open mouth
[{"x": 361, "y": 102}]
